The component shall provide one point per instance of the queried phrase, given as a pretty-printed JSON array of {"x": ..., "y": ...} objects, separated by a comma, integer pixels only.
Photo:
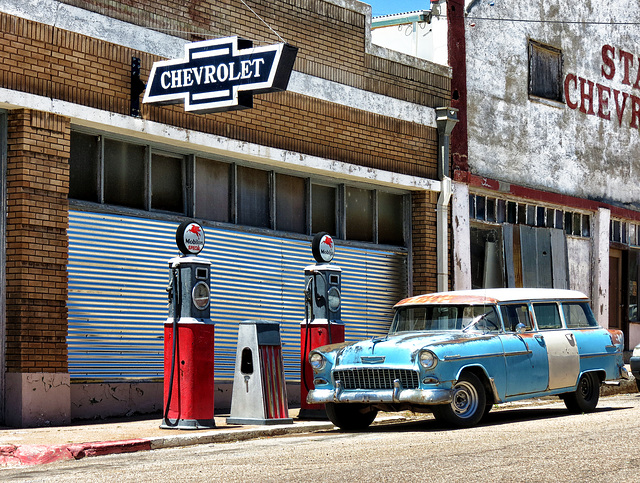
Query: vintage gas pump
[
  {"x": 322, "y": 324},
  {"x": 189, "y": 337}
]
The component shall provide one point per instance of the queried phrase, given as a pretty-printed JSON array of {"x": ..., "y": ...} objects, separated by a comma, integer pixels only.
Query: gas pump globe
[
  {"x": 322, "y": 324},
  {"x": 189, "y": 336}
]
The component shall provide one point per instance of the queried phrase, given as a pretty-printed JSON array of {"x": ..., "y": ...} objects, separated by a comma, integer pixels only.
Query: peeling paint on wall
[{"x": 550, "y": 145}]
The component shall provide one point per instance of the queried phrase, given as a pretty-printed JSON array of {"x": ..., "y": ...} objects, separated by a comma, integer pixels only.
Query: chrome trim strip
[{"x": 414, "y": 396}]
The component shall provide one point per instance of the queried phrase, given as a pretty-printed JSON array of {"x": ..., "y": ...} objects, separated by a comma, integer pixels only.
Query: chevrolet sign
[{"x": 220, "y": 75}]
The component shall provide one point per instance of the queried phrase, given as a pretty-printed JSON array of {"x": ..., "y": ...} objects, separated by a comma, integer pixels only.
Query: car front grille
[{"x": 375, "y": 378}]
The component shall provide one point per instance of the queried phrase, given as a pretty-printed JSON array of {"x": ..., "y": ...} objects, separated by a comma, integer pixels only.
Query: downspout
[{"x": 446, "y": 119}]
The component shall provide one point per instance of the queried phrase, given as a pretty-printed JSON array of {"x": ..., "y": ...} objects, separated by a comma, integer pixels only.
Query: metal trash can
[{"x": 259, "y": 393}]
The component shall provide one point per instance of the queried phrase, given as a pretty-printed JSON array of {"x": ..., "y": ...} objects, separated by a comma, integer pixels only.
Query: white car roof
[{"x": 493, "y": 295}]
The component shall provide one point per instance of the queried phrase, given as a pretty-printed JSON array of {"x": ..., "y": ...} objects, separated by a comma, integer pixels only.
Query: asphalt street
[{"x": 535, "y": 441}]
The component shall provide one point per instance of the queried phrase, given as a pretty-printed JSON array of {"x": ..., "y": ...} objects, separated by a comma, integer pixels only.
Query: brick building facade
[{"x": 357, "y": 120}]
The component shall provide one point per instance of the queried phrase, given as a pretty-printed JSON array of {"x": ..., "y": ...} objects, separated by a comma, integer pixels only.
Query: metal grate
[{"x": 376, "y": 378}]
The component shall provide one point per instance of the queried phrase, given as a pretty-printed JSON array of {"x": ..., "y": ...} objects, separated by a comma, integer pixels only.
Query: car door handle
[{"x": 539, "y": 338}]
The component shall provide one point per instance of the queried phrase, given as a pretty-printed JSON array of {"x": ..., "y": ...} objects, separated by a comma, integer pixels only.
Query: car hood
[{"x": 395, "y": 349}]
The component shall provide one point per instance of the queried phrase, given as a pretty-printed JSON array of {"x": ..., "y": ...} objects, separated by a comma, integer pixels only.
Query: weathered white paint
[
  {"x": 545, "y": 144},
  {"x": 37, "y": 399},
  {"x": 579, "y": 254},
  {"x": 600, "y": 267},
  {"x": 461, "y": 236}
]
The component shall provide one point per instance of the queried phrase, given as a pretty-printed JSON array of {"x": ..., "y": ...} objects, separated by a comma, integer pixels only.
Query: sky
[{"x": 387, "y": 7}]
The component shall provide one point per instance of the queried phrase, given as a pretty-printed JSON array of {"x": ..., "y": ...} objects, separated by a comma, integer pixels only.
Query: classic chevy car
[{"x": 456, "y": 354}]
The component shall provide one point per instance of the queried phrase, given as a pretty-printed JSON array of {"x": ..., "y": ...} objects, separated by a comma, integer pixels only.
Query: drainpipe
[{"x": 446, "y": 119}]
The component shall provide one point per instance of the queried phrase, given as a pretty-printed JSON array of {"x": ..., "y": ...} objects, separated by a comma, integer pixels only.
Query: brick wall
[
  {"x": 423, "y": 221},
  {"x": 37, "y": 220},
  {"x": 54, "y": 63}
]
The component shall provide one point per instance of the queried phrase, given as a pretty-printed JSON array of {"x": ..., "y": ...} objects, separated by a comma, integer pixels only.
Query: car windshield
[{"x": 481, "y": 318}]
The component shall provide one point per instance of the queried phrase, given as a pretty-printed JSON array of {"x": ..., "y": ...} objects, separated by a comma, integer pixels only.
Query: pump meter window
[{"x": 200, "y": 295}]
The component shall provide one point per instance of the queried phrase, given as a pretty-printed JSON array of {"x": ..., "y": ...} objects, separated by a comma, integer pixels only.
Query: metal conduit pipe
[{"x": 446, "y": 119}]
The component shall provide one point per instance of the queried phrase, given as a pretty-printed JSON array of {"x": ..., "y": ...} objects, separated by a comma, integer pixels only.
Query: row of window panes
[
  {"x": 114, "y": 172},
  {"x": 624, "y": 232},
  {"x": 495, "y": 210}
]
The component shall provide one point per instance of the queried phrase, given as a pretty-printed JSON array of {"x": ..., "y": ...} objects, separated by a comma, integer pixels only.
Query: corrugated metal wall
[{"x": 118, "y": 273}]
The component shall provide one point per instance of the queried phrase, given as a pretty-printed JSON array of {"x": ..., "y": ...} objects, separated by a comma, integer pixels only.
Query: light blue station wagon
[{"x": 456, "y": 354}]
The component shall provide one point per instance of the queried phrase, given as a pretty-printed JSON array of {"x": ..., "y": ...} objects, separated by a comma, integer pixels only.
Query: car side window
[
  {"x": 515, "y": 314},
  {"x": 578, "y": 315},
  {"x": 547, "y": 316}
]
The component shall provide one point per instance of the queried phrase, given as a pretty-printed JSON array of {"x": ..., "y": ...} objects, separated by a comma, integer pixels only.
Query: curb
[{"x": 37, "y": 454}]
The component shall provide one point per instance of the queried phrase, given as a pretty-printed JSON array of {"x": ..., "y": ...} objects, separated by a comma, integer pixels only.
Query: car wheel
[
  {"x": 468, "y": 405},
  {"x": 585, "y": 398},
  {"x": 638, "y": 384},
  {"x": 351, "y": 416}
]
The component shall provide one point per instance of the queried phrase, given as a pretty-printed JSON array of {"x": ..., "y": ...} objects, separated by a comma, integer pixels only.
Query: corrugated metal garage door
[{"x": 118, "y": 273}]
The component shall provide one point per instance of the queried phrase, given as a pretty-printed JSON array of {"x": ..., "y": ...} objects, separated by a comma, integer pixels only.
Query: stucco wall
[{"x": 545, "y": 144}]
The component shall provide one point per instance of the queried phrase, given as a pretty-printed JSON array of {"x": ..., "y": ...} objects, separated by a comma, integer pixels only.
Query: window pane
[
  {"x": 512, "y": 315},
  {"x": 290, "y": 204},
  {"x": 547, "y": 316},
  {"x": 586, "y": 226},
  {"x": 511, "y": 212},
  {"x": 253, "y": 197},
  {"x": 124, "y": 182},
  {"x": 501, "y": 211},
  {"x": 578, "y": 315},
  {"x": 212, "y": 190},
  {"x": 166, "y": 183},
  {"x": 323, "y": 209},
  {"x": 480, "y": 207},
  {"x": 545, "y": 71},
  {"x": 83, "y": 167},
  {"x": 491, "y": 209},
  {"x": 359, "y": 214},
  {"x": 390, "y": 219}
]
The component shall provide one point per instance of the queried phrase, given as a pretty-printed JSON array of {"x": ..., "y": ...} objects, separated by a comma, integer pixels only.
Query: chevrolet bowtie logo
[{"x": 220, "y": 75}]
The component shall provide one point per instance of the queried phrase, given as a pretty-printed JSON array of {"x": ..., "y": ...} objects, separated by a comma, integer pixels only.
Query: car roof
[{"x": 493, "y": 296}]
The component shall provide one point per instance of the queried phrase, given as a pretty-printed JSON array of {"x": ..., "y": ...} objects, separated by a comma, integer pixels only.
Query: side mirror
[{"x": 520, "y": 328}]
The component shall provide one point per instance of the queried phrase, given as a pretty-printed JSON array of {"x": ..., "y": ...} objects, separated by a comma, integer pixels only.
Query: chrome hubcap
[{"x": 465, "y": 399}]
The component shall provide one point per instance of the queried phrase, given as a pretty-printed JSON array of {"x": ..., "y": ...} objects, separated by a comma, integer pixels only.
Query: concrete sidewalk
[{"x": 33, "y": 446}]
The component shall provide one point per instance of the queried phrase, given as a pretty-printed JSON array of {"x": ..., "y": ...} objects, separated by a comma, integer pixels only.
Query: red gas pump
[
  {"x": 189, "y": 337},
  {"x": 322, "y": 324}
]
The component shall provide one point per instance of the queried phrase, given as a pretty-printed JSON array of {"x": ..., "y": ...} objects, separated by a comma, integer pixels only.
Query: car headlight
[
  {"x": 317, "y": 361},
  {"x": 428, "y": 359}
]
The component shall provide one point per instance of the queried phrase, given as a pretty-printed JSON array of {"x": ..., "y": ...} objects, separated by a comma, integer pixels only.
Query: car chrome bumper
[{"x": 413, "y": 396}]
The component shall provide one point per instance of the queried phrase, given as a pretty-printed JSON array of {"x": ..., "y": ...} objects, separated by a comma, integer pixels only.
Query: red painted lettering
[
  {"x": 608, "y": 53},
  {"x": 568, "y": 79},
  {"x": 635, "y": 111},
  {"x": 586, "y": 96},
  {"x": 627, "y": 59},
  {"x": 603, "y": 102},
  {"x": 637, "y": 83},
  {"x": 619, "y": 108}
]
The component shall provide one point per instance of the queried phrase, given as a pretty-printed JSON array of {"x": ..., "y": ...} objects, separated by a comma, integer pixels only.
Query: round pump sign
[
  {"x": 323, "y": 248},
  {"x": 190, "y": 238}
]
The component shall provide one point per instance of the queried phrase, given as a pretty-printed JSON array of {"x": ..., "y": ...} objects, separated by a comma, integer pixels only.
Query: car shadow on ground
[{"x": 426, "y": 423}]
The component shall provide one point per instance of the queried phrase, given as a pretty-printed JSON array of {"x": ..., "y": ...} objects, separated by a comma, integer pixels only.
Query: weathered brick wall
[
  {"x": 47, "y": 61},
  {"x": 331, "y": 39},
  {"x": 424, "y": 238},
  {"x": 37, "y": 220}
]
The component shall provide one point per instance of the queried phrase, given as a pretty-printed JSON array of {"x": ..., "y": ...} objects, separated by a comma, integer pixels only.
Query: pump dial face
[
  {"x": 200, "y": 295},
  {"x": 334, "y": 299}
]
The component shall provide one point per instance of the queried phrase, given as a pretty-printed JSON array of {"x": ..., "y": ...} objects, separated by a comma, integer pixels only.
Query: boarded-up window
[{"x": 545, "y": 71}]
